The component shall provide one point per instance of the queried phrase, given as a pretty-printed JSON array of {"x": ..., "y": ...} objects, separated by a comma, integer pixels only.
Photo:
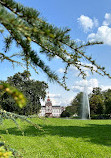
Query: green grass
[{"x": 61, "y": 138}]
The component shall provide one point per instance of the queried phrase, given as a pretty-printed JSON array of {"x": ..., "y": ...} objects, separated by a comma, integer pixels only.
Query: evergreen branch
[
  {"x": 102, "y": 69},
  {"x": 8, "y": 42},
  {"x": 65, "y": 73},
  {"x": 4, "y": 57},
  {"x": 26, "y": 47},
  {"x": 24, "y": 13},
  {"x": 38, "y": 62},
  {"x": 9, "y": 115},
  {"x": 90, "y": 68},
  {"x": 89, "y": 44},
  {"x": 19, "y": 9},
  {"x": 81, "y": 71}
]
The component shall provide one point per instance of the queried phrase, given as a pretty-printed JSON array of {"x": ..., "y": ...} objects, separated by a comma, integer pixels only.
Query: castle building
[{"x": 49, "y": 110}]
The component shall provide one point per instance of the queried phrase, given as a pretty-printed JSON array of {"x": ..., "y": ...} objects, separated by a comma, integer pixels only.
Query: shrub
[{"x": 101, "y": 116}]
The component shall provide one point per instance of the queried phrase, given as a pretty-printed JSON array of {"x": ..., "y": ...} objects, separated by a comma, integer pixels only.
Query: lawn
[{"x": 60, "y": 138}]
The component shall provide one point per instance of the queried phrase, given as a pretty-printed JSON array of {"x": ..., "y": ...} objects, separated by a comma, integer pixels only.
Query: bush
[
  {"x": 65, "y": 114},
  {"x": 101, "y": 116}
]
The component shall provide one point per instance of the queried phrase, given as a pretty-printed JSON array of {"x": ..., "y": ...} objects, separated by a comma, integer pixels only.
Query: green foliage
[
  {"x": 101, "y": 116},
  {"x": 75, "y": 106},
  {"x": 76, "y": 103},
  {"x": 97, "y": 91},
  {"x": 107, "y": 101},
  {"x": 65, "y": 113},
  {"x": 97, "y": 101},
  {"x": 13, "y": 92},
  {"x": 96, "y": 104},
  {"x": 32, "y": 90}
]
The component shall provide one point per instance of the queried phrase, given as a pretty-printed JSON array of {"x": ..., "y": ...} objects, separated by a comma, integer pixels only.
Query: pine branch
[
  {"x": 53, "y": 41},
  {"x": 12, "y": 116},
  {"x": 4, "y": 57}
]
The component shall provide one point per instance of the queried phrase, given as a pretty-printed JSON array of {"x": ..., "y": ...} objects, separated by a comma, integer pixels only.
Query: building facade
[{"x": 49, "y": 110}]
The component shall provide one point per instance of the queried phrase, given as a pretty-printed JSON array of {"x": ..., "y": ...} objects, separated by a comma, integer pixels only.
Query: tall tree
[
  {"x": 32, "y": 90},
  {"x": 97, "y": 101},
  {"x": 107, "y": 101},
  {"x": 75, "y": 106},
  {"x": 77, "y": 101}
]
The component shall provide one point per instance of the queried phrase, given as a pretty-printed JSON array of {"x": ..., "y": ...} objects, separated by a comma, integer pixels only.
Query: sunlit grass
[{"x": 60, "y": 138}]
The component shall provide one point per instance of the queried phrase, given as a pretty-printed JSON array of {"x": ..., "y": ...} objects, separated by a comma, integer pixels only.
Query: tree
[
  {"x": 77, "y": 101},
  {"x": 96, "y": 105},
  {"x": 69, "y": 111},
  {"x": 107, "y": 101},
  {"x": 75, "y": 106},
  {"x": 97, "y": 91},
  {"x": 96, "y": 101},
  {"x": 32, "y": 90},
  {"x": 65, "y": 113}
]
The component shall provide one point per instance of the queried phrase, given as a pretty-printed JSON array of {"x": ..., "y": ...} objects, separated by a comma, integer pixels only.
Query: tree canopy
[
  {"x": 74, "y": 107},
  {"x": 33, "y": 91},
  {"x": 97, "y": 101},
  {"x": 107, "y": 101}
]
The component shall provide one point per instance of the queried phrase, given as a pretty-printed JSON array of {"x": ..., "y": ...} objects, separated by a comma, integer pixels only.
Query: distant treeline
[{"x": 100, "y": 104}]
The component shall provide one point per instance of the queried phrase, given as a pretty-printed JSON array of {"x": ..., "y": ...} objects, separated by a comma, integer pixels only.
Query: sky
[{"x": 88, "y": 20}]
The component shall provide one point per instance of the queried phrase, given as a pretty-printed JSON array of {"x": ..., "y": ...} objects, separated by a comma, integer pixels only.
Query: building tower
[{"x": 48, "y": 107}]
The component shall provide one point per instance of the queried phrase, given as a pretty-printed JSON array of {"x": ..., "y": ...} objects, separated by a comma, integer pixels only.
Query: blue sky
[{"x": 88, "y": 20}]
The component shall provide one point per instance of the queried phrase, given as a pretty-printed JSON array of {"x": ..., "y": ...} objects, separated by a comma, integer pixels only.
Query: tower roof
[
  {"x": 48, "y": 99},
  {"x": 48, "y": 102}
]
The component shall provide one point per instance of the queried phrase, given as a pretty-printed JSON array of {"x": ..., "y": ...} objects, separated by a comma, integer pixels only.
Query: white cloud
[
  {"x": 95, "y": 22},
  {"x": 90, "y": 84},
  {"x": 79, "y": 85},
  {"x": 54, "y": 95},
  {"x": 87, "y": 23},
  {"x": 55, "y": 99},
  {"x": 58, "y": 100},
  {"x": 103, "y": 34},
  {"x": 105, "y": 87},
  {"x": 61, "y": 70},
  {"x": 56, "y": 57},
  {"x": 107, "y": 20},
  {"x": 66, "y": 102}
]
